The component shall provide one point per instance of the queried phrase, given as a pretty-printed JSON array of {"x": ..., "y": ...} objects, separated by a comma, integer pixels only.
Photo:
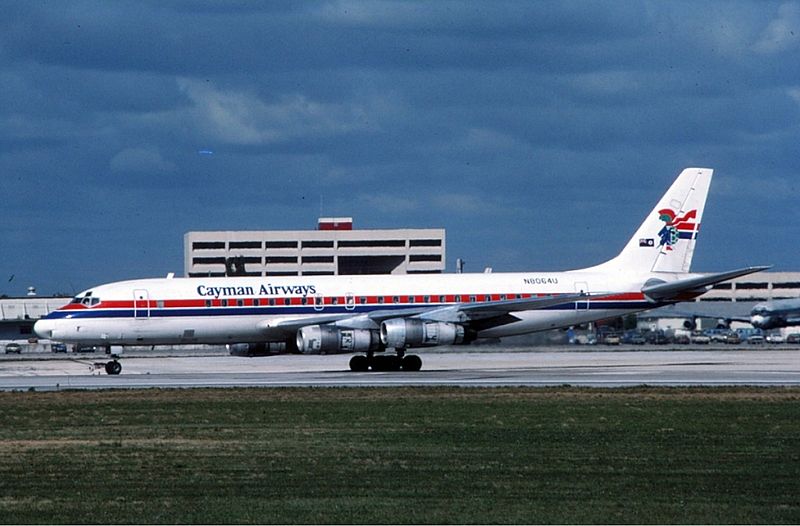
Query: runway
[{"x": 499, "y": 367}]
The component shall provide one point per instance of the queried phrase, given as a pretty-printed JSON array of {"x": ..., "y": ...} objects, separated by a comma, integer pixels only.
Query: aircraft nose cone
[{"x": 43, "y": 329}]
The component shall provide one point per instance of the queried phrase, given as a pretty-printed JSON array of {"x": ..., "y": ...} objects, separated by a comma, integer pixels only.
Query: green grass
[{"x": 401, "y": 456}]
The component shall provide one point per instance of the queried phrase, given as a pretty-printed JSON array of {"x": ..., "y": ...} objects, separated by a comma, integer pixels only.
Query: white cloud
[
  {"x": 242, "y": 118},
  {"x": 782, "y": 33},
  {"x": 141, "y": 160}
]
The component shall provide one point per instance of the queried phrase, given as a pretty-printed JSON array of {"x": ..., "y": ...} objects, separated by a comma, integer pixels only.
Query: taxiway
[{"x": 499, "y": 367}]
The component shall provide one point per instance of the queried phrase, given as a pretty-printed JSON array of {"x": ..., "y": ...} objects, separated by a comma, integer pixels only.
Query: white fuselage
[{"x": 249, "y": 309}]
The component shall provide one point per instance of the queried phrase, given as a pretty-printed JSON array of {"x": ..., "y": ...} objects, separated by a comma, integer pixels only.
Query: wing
[{"x": 456, "y": 313}]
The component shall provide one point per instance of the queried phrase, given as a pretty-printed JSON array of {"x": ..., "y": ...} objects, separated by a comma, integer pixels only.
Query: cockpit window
[{"x": 86, "y": 299}]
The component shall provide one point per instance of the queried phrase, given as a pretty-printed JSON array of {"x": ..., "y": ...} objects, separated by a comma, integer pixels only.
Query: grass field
[{"x": 401, "y": 455}]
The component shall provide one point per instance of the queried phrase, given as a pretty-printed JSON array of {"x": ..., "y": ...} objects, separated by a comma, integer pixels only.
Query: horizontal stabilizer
[{"x": 657, "y": 290}]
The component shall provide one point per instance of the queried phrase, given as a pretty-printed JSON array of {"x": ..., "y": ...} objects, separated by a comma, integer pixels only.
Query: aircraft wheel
[
  {"x": 359, "y": 363},
  {"x": 412, "y": 362},
  {"x": 385, "y": 363},
  {"x": 113, "y": 367}
]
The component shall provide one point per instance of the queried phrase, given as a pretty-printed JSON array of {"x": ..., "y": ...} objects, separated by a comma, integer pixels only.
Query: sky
[{"x": 538, "y": 134}]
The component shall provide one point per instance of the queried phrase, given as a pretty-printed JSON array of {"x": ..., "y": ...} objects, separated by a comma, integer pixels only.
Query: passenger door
[{"x": 141, "y": 304}]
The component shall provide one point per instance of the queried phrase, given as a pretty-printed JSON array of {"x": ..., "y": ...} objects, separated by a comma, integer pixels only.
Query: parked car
[
  {"x": 717, "y": 335},
  {"x": 682, "y": 339},
  {"x": 58, "y": 347},
  {"x": 85, "y": 348},
  {"x": 733, "y": 338},
  {"x": 634, "y": 338},
  {"x": 755, "y": 339},
  {"x": 13, "y": 348},
  {"x": 700, "y": 339},
  {"x": 775, "y": 338},
  {"x": 793, "y": 338},
  {"x": 583, "y": 339},
  {"x": 657, "y": 338}
]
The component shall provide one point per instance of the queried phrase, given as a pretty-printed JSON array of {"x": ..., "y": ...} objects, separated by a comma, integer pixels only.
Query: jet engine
[
  {"x": 408, "y": 332},
  {"x": 258, "y": 349},
  {"x": 326, "y": 339}
]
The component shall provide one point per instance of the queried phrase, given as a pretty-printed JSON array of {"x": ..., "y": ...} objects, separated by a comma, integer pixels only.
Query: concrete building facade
[
  {"x": 761, "y": 286},
  {"x": 334, "y": 248}
]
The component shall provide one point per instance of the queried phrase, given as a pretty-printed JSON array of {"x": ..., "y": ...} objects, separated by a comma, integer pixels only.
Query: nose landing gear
[{"x": 113, "y": 367}]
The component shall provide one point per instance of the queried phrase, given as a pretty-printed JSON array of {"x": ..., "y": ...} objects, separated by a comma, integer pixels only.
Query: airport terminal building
[{"x": 334, "y": 248}]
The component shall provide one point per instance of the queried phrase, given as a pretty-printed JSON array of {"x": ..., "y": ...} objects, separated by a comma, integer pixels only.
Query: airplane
[
  {"x": 375, "y": 314},
  {"x": 766, "y": 315},
  {"x": 772, "y": 314}
]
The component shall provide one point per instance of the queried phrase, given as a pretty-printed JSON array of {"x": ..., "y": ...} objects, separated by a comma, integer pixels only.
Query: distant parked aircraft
[{"x": 774, "y": 314}]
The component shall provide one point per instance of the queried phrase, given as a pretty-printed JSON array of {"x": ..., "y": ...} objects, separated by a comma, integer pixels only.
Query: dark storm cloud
[{"x": 538, "y": 133}]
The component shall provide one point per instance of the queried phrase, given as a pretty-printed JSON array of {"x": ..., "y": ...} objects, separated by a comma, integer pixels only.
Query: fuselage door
[
  {"x": 141, "y": 304},
  {"x": 349, "y": 301},
  {"x": 582, "y": 287}
]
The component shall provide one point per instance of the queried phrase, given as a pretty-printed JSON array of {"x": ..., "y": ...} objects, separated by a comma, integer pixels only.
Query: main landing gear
[{"x": 385, "y": 362}]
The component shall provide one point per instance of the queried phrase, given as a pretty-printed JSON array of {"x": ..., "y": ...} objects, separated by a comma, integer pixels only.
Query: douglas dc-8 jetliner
[{"x": 373, "y": 314}]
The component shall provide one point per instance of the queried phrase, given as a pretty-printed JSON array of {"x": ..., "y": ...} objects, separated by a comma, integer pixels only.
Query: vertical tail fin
[{"x": 666, "y": 239}]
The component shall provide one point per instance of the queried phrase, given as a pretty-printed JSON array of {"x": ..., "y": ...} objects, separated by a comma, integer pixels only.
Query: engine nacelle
[
  {"x": 325, "y": 339},
  {"x": 257, "y": 349},
  {"x": 408, "y": 332}
]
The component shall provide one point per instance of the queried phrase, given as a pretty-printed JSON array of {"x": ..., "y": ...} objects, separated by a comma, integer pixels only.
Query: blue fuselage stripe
[{"x": 211, "y": 312}]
